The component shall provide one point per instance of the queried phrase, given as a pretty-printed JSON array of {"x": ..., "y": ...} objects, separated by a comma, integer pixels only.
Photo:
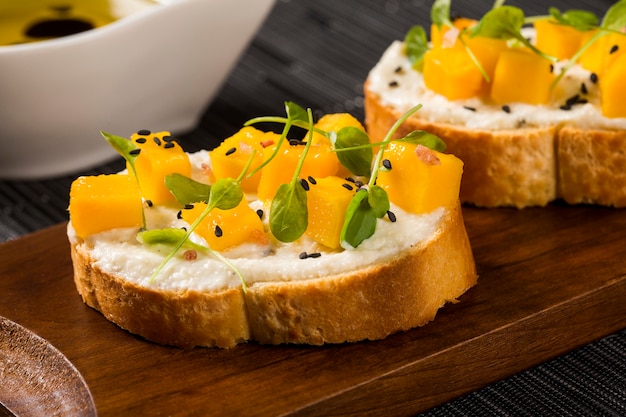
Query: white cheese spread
[
  {"x": 118, "y": 252},
  {"x": 400, "y": 86}
]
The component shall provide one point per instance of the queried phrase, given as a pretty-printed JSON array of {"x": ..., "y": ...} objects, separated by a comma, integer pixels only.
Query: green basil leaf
[
  {"x": 416, "y": 45},
  {"x": 168, "y": 236},
  {"x": 505, "y": 22},
  {"x": 296, "y": 112},
  {"x": 186, "y": 190},
  {"x": 360, "y": 221},
  {"x": 225, "y": 194},
  {"x": 123, "y": 146},
  {"x": 578, "y": 19},
  {"x": 358, "y": 161},
  {"x": 615, "y": 17},
  {"x": 378, "y": 200},
  {"x": 500, "y": 23},
  {"x": 440, "y": 13},
  {"x": 289, "y": 212},
  {"x": 421, "y": 137}
]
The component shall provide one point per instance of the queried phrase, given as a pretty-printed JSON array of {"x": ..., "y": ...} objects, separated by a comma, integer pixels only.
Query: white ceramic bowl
[{"x": 155, "y": 69}]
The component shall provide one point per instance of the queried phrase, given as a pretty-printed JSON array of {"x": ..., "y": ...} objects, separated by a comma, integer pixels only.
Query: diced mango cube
[
  {"x": 230, "y": 158},
  {"x": 327, "y": 201},
  {"x": 226, "y": 229},
  {"x": 435, "y": 178},
  {"x": 438, "y": 34},
  {"x": 521, "y": 76},
  {"x": 334, "y": 122},
  {"x": 159, "y": 156},
  {"x": 557, "y": 40},
  {"x": 487, "y": 51},
  {"x": 613, "y": 88},
  {"x": 104, "y": 202},
  {"x": 601, "y": 53},
  {"x": 452, "y": 73},
  {"x": 320, "y": 162}
]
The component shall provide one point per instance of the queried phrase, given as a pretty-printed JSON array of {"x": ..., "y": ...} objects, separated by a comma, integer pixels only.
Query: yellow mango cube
[
  {"x": 104, "y": 202},
  {"x": 159, "y": 155},
  {"x": 452, "y": 73},
  {"x": 435, "y": 177},
  {"x": 487, "y": 51},
  {"x": 601, "y": 53},
  {"x": 334, "y": 122},
  {"x": 557, "y": 40},
  {"x": 226, "y": 229},
  {"x": 327, "y": 201},
  {"x": 521, "y": 76},
  {"x": 230, "y": 158},
  {"x": 320, "y": 162},
  {"x": 613, "y": 88}
]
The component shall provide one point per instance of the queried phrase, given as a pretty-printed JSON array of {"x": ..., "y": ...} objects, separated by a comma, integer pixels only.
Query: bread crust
[
  {"x": 522, "y": 167},
  {"x": 365, "y": 304}
]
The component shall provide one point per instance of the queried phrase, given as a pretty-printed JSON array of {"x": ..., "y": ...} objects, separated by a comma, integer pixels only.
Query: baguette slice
[
  {"x": 369, "y": 303},
  {"x": 523, "y": 167}
]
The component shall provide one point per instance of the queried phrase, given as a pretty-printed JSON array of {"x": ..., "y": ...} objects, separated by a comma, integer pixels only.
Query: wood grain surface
[{"x": 551, "y": 280}]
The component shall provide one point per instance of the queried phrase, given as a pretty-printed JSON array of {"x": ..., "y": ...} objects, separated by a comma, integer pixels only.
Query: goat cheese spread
[
  {"x": 118, "y": 252},
  {"x": 399, "y": 86}
]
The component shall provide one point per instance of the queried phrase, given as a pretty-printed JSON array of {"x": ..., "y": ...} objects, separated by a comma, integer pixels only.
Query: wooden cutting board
[{"x": 551, "y": 280}]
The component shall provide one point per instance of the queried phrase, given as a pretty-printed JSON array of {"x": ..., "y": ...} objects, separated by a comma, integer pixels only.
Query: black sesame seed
[
  {"x": 593, "y": 77},
  {"x": 506, "y": 109},
  {"x": 140, "y": 140},
  {"x": 314, "y": 255},
  {"x": 149, "y": 203},
  {"x": 157, "y": 141},
  {"x": 303, "y": 255},
  {"x": 144, "y": 132},
  {"x": 582, "y": 101},
  {"x": 392, "y": 217},
  {"x": 572, "y": 100},
  {"x": 469, "y": 108},
  {"x": 551, "y": 68},
  {"x": 583, "y": 88},
  {"x": 296, "y": 142},
  {"x": 565, "y": 107},
  {"x": 311, "y": 180},
  {"x": 347, "y": 186},
  {"x": 168, "y": 138},
  {"x": 188, "y": 206},
  {"x": 398, "y": 70},
  {"x": 135, "y": 151},
  {"x": 393, "y": 84},
  {"x": 179, "y": 215},
  {"x": 259, "y": 213},
  {"x": 358, "y": 184},
  {"x": 614, "y": 49},
  {"x": 230, "y": 151},
  {"x": 349, "y": 179},
  {"x": 387, "y": 163},
  {"x": 169, "y": 145},
  {"x": 218, "y": 231},
  {"x": 304, "y": 183}
]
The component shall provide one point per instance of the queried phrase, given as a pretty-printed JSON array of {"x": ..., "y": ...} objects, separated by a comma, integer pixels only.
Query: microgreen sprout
[
  {"x": 372, "y": 202},
  {"x": 289, "y": 211},
  {"x": 225, "y": 194}
]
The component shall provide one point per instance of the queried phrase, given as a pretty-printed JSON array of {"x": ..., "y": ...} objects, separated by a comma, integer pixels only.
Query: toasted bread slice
[{"x": 402, "y": 292}]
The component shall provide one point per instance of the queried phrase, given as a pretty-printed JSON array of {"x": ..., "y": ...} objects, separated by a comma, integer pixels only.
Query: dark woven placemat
[{"x": 318, "y": 54}]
